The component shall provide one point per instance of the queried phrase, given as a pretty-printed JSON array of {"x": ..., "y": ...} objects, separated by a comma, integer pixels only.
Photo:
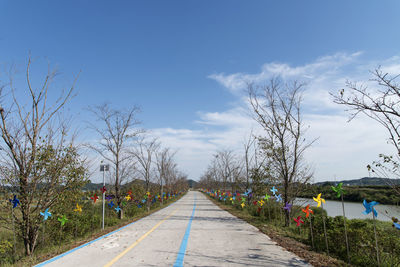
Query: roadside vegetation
[{"x": 311, "y": 245}]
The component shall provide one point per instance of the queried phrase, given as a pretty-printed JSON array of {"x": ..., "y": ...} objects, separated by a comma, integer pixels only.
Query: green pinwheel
[
  {"x": 267, "y": 197},
  {"x": 62, "y": 220},
  {"x": 338, "y": 189}
]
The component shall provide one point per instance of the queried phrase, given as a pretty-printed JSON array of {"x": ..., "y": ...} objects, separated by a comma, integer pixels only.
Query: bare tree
[
  {"x": 276, "y": 107},
  {"x": 37, "y": 158},
  {"x": 144, "y": 153},
  {"x": 381, "y": 104},
  {"x": 225, "y": 164},
  {"x": 117, "y": 128},
  {"x": 165, "y": 165}
]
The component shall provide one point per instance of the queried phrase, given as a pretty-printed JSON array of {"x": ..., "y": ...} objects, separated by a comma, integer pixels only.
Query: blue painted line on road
[
  {"x": 182, "y": 249},
  {"x": 86, "y": 244}
]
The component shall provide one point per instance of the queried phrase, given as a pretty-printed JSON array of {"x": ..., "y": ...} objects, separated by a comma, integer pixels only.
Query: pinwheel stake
[
  {"x": 288, "y": 207},
  {"x": 269, "y": 212},
  {"x": 319, "y": 200},
  {"x": 14, "y": 202},
  {"x": 369, "y": 207},
  {"x": 338, "y": 189},
  {"x": 307, "y": 211}
]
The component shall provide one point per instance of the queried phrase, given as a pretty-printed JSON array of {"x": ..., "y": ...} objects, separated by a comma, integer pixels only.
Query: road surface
[{"x": 191, "y": 232}]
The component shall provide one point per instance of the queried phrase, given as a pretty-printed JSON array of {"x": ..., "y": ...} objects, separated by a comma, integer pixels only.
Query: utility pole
[{"x": 104, "y": 168}]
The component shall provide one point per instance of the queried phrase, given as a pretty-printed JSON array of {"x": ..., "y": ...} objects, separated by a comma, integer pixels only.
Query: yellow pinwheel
[
  {"x": 242, "y": 204},
  {"x": 319, "y": 199},
  {"x": 78, "y": 208},
  {"x": 148, "y": 193},
  {"x": 261, "y": 202},
  {"x": 128, "y": 197}
]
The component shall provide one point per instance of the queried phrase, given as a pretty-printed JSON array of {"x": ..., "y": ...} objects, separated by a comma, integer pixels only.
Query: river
[{"x": 353, "y": 209}]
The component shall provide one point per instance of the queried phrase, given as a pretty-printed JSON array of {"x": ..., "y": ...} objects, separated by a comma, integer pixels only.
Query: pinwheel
[
  {"x": 255, "y": 202},
  {"x": 46, "y": 214},
  {"x": 130, "y": 192},
  {"x": 14, "y": 201},
  {"x": 247, "y": 192},
  {"x": 139, "y": 206},
  {"x": 128, "y": 197},
  {"x": 103, "y": 189},
  {"x": 274, "y": 190},
  {"x": 307, "y": 211},
  {"x": 267, "y": 197},
  {"x": 111, "y": 204},
  {"x": 338, "y": 189},
  {"x": 318, "y": 199},
  {"x": 78, "y": 208},
  {"x": 339, "y": 193},
  {"x": 143, "y": 201},
  {"x": 95, "y": 198},
  {"x": 148, "y": 193},
  {"x": 370, "y": 207},
  {"x": 109, "y": 197},
  {"x": 62, "y": 220},
  {"x": 288, "y": 206},
  {"x": 242, "y": 204},
  {"x": 261, "y": 202},
  {"x": 278, "y": 198},
  {"x": 123, "y": 203},
  {"x": 396, "y": 225},
  {"x": 117, "y": 209},
  {"x": 298, "y": 221}
]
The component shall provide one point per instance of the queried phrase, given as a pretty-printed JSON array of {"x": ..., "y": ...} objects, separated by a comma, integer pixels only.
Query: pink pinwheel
[{"x": 298, "y": 220}]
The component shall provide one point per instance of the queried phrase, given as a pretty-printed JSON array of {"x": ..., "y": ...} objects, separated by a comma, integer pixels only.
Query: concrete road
[{"x": 191, "y": 232}]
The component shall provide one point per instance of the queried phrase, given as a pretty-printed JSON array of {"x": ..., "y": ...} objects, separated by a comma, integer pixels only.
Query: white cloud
[{"x": 343, "y": 148}]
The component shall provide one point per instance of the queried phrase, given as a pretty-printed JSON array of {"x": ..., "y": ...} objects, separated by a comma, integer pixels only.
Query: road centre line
[{"x": 138, "y": 241}]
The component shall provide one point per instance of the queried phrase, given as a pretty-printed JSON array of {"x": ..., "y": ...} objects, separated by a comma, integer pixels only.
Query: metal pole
[{"x": 104, "y": 195}]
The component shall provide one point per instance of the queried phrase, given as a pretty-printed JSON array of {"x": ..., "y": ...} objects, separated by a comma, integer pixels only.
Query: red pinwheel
[
  {"x": 307, "y": 211},
  {"x": 95, "y": 197},
  {"x": 255, "y": 203},
  {"x": 130, "y": 192},
  {"x": 103, "y": 189},
  {"x": 259, "y": 210},
  {"x": 298, "y": 220}
]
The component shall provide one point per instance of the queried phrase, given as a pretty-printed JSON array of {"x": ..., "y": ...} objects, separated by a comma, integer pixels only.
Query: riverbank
[{"x": 382, "y": 194}]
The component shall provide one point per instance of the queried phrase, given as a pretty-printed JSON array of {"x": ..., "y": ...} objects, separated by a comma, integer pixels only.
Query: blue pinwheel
[
  {"x": 143, "y": 201},
  {"x": 247, "y": 192},
  {"x": 278, "y": 198},
  {"x": 370, "y": 207},
  {"x": 111, "y": 204},
  {"x": 117, "y": 209},
  {"x": 14, "y": 201},
  {"x": 46, "y": 214},
  {"x": 109, "y": 197},
  {"x": 274, "y": 190},
  {"x": 139, "y": 206},
  {"x": 288, "y": 206},
  {"x": 396, "y": 225}
]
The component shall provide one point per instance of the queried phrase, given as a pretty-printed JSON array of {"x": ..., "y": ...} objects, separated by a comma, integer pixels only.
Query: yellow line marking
[{"x": 138, "y": 241}]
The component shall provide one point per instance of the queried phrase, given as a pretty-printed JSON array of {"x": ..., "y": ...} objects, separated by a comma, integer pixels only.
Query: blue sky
[{"x": 182, "y": 62}]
